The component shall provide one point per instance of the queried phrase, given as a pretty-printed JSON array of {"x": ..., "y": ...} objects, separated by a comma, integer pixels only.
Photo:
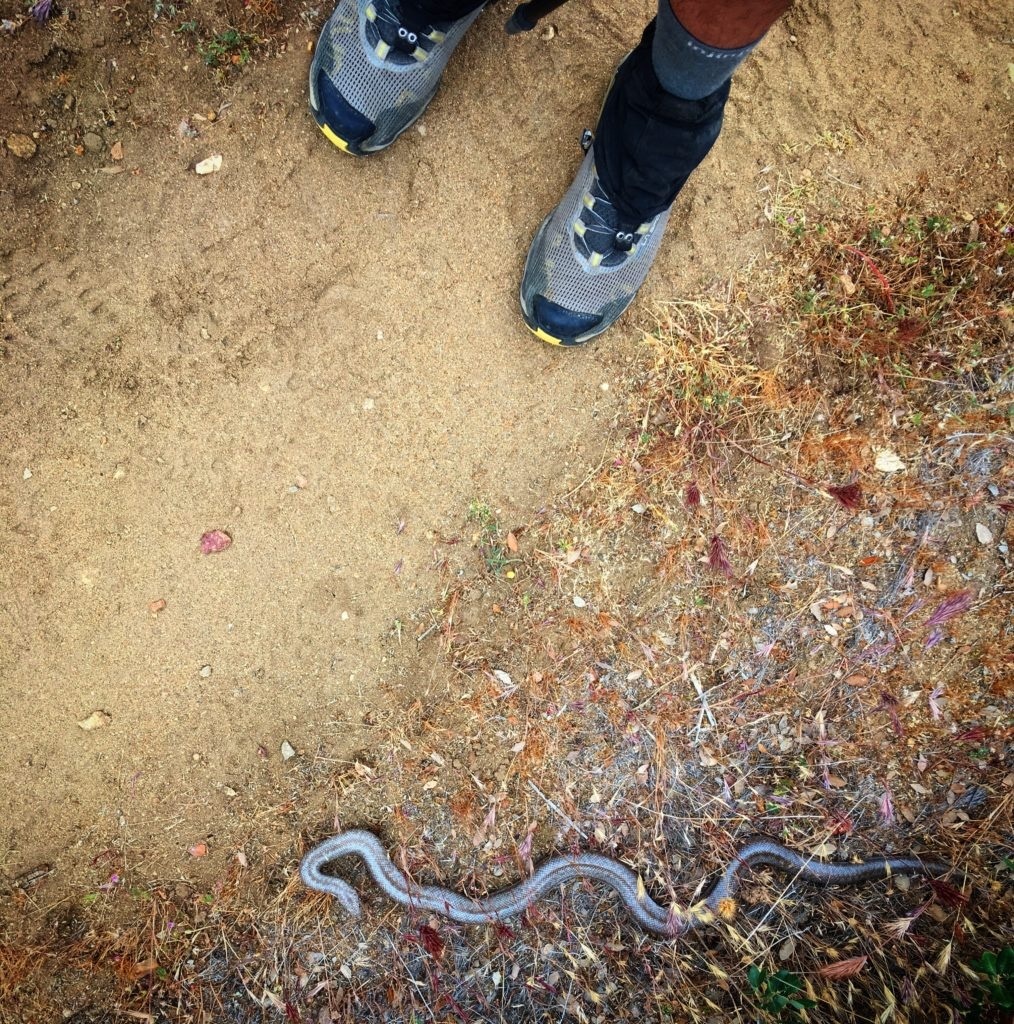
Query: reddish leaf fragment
[
  {"x": 947, "y": 894},
  {"x": 718, "y": 559},
  {"x": 512, "y": 543},
  {"x": 951, "y": 606},
  {"x": 431, "y": 940},
  {"x": 843, "y": 968},
  {"x": 198, "y": 850},
  {"x": 693, "y": 495},
  {"x": 214, "y": 541},
  {"x": 849, "y": 496},
  {"x": 887, "y": 806}
]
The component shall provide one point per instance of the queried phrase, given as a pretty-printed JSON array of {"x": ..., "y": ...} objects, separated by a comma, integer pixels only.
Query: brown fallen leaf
[
  {"x": 95, "y": 720},
  {"x": 198, "y": 850},
  {"x": 143, "y": 969},
  {"x": 116, "y": 152},
  {"x": 512, "y": 543}
]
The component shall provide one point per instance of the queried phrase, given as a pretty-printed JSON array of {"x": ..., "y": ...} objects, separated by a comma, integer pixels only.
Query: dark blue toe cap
[
  {"x": 562, "y": 323},
  {"x": 342, "y": 118}
]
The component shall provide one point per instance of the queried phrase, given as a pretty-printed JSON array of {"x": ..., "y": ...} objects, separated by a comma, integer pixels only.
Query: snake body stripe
[{"x": 557, "y": 871}]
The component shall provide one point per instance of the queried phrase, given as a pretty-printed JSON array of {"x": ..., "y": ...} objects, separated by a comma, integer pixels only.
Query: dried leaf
[
  {"x": 512, "y": 543},
  {"x": 198, "y": 850},
  {"x": 887, "y": 806},
  {"x": 214, "y": 541},
  {"x": 693, "y": 495},
  {"x": 843, "y": 969},
  {"x": 143, "y": 969},
  {"x": 116, "y": 151},
  {"x": 887, "y": 461}
]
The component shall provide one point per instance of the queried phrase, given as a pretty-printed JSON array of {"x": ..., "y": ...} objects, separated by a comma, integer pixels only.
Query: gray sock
[{"x": 685, "y": 66}]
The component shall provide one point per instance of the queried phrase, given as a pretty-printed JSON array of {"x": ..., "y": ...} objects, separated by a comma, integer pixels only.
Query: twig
[{"x": 553, "y": 807}]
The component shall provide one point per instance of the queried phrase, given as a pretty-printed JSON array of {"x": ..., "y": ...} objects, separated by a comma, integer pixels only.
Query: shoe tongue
[{"x": 413, "y": 21}]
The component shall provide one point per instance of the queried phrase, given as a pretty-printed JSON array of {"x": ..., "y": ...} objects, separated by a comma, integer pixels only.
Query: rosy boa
[{"x": 557, "y": 871}]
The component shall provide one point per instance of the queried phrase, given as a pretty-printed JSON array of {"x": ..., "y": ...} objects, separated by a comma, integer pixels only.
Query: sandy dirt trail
[{"x": 307, "y": 350}]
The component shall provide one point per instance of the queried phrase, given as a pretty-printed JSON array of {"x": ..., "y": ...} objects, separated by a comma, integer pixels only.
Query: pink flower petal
[{"x": 214, "y": 541}]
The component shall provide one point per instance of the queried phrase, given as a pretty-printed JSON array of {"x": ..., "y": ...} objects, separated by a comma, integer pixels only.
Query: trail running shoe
[
  {"x": 377, "y": 65},
  {"x": 586, "y": 263}
]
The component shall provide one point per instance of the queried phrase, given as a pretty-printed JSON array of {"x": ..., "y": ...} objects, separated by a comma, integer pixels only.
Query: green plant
[
  {"x": 777, "y": 994},
  {"x": 491, "y": 545},
  {"x": 995, "y": 999},
  {"x": 228, "y": 47}
]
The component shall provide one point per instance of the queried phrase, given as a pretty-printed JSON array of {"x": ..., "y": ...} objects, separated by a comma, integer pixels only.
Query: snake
[{"x": 559, "y": 870}]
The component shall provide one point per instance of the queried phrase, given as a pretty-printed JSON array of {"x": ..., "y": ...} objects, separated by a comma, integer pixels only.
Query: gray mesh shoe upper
[
  {"x": 383, "y": 63},
  {"x": 585, "y": 265}
]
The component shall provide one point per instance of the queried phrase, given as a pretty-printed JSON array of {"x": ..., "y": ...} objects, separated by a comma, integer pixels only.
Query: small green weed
[
  {"x": 492, "y": 545},
  {"x": 778, "y": 994},
  {"x": 995, "y": 1000},
  {"x": 228, "y": 47}
]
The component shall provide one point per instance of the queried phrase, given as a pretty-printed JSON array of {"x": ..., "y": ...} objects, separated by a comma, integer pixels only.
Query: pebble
[
  {"x": 22, "y": 146},
  {"x": 205, "y": 671},
  {"x": 288, "y": 751},
  {"x": 1002, "y": 547},
  {"x": 984, "y": 533},
  {"x": 867, "y": 521},
  {"x": 27, "y": 474},
  {"x": 93, "y": 142}
]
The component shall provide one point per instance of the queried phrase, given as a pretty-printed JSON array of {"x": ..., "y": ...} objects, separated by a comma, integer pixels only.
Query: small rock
[
  {"x": 549, "y": 32},
  {"x": 22, "y": 146},
  {"x": 205, "y": 672},
  {"x": 1002, "y": 547},
  {"x": 288, "y": 751},
  {"x": 579, "y": 602},
  {"x": 116, "y": 152},
  {"x": 210, "y": 165},
  {"x": 156, "y": 606},
  {"x": 27, "y": 474},
  {"x": 369, "y": 405},
  {"x": 96, "y": 720},
  {"x": 984, "y": 533},
  {"x": 93, "y": 142}
]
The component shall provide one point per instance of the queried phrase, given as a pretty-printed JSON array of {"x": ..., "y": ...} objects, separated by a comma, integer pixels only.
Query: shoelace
[
  {"x": 605, "y": 232},
  {"x": 611, "y": 239},
  {"x": 404, "y": 29}
]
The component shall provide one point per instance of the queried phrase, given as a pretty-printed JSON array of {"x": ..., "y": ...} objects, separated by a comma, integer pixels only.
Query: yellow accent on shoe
[
  {"x": 420, "y": 54},
  {"x": 595, "y": 259},
  {"x": 589, "y": 200},
  {"x": 579, "y": 228},
  {"x": 331, "y": 137},
  {"x": 542, "y": 336},
  {"x": 436, "y": 36},
  {"x": 382, "y": 49},
  {"x": 370, "y": 12}
]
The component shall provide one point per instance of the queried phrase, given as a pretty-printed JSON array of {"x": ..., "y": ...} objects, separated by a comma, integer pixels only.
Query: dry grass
[{"x": 738, "y": 624}]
